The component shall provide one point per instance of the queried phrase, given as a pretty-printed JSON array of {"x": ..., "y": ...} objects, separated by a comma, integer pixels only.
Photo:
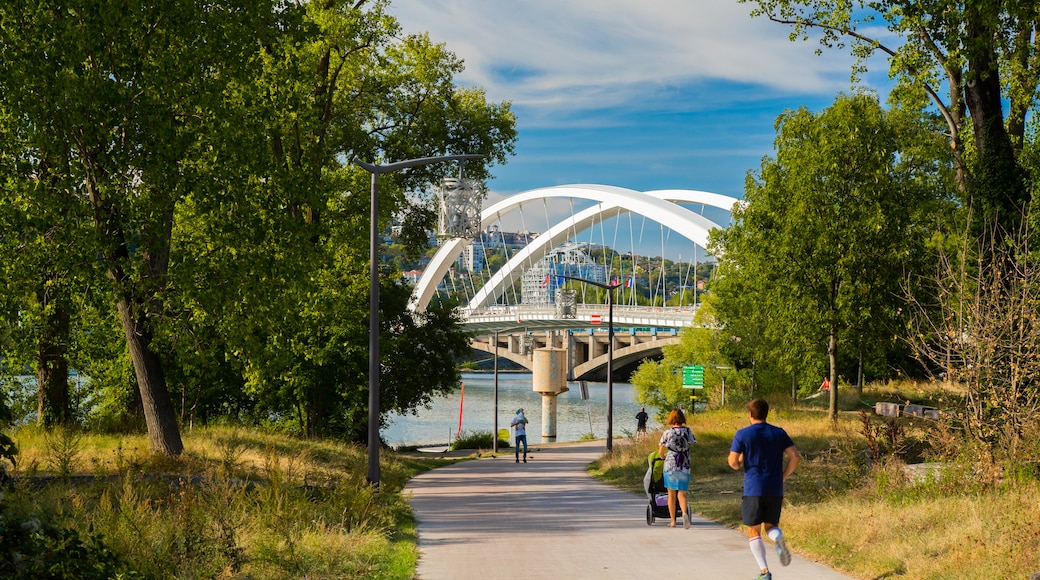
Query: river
[{"x": 440, "y": 424}]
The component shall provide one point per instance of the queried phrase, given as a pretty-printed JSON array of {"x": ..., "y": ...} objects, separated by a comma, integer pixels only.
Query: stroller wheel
[{"x": 649, "y": 516}]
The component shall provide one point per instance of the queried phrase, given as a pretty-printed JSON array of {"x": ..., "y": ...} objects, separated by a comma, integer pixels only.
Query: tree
[
  {"x": 114, "y": 101},
  {"x": 298, "y": 325},
  {"x": 826, "y": 231},
  {"x": 985, "y": 53},
  {"x": 659, "y": 384},
  {"x": 210, "y": 146}
]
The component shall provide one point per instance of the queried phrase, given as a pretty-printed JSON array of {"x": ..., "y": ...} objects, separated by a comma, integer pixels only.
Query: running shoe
[
  {"x": 766, "y": 576},
  {"x": 782, "y": 551}
]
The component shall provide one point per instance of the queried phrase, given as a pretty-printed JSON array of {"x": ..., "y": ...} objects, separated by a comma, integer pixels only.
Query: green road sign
[{"x": 693, "y": 377}]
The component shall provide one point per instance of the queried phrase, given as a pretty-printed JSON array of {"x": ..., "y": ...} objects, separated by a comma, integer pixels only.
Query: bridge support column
[{"x": 550, "y": 379}]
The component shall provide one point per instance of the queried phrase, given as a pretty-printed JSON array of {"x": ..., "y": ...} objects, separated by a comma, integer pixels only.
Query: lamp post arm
[{"x": 398, "y": 165}]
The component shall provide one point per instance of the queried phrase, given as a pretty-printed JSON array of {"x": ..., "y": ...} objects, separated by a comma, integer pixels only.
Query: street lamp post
[
  {"x": 373, "y": 301},
  {"x": 610, "y": 352}
]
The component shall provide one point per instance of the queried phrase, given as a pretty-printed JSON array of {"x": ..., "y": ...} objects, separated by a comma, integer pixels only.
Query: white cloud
[{"x": 581, "y": 54}]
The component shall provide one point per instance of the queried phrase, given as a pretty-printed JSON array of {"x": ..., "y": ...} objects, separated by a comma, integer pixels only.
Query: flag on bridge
[
  {"x": 629, "y": 282},
  {"x": 546, "y": 281}
]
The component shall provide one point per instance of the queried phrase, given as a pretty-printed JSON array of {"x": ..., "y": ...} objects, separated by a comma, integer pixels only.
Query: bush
[{"x": 477, "y": 440}]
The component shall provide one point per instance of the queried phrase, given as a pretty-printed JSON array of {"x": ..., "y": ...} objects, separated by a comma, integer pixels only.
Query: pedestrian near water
[
  {"x": 760, "y": 449},
  {"x": 519, "y": 423},
  {"x": 641, "y": 418},
  {"x": 675, "y": 448}
]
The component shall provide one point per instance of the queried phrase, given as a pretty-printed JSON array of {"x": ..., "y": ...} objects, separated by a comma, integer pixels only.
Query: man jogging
[{"x": 760, "y": 449}]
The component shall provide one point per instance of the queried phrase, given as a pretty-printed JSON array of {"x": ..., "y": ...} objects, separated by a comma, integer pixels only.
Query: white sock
[
  {"x": 758, "y": 550},
  {"x": 774, "y": 533}
]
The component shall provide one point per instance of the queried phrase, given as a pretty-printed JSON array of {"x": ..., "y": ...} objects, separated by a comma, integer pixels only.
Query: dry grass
[
  {"x": 243, "y": 504},
  {"x": 868, "y": 520}
]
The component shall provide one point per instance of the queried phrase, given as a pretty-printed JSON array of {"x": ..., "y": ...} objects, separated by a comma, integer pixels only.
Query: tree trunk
[
  {"x": 859, "y": 375},
  {"x": 163, "y": 432},
  {"x": 998, "y": 188},
  {"x": 52, "y": 372}
]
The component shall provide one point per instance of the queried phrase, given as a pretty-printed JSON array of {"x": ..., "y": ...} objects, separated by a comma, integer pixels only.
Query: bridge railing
[{"x": 585, "y": 316}]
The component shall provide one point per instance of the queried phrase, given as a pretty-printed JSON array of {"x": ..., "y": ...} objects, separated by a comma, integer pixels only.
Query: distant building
[
  {"x": 474, "y": 257},
  {"x": 540, "y": 281},
  {"x": 412, "y": 276}
]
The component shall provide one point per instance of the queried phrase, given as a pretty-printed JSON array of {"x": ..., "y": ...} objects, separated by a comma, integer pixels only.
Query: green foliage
[
  {"x": 970, "y": 60},
  {"x": 187, "y": 188},
  {"x": 63, "y": 446},
  {"x": 659, "y": 384},
  {"x": 474, "y": 440},
  {"x": 828, "y": 230},
  {"x": 245, "y": 503},
  {"x": 33, "y": 549}
]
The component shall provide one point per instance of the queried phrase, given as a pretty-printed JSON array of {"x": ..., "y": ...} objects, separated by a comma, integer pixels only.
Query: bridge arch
[{"x": 658, "y": 205}]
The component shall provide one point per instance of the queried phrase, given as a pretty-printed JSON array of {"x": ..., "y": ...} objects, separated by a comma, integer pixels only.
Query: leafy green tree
[
  {"x": 208, "y": 147},
  {"x": 659, "y": 383},
  {"x": 819, "y": 248},
  {"x": 985, "y": 54},
  {"x": 121, "y": 102},
  {"x": 297, "y": 326}
]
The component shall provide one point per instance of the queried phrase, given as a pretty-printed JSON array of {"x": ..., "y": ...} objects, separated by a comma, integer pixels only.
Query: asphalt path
[{"x": 492, "y": 518}]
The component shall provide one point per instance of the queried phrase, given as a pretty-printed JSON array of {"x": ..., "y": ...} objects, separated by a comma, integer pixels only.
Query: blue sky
[{"x": 645, "y": 94}]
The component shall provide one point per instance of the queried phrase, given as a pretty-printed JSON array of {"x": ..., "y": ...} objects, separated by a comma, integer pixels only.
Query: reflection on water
[{"x": 439, "y": 424}]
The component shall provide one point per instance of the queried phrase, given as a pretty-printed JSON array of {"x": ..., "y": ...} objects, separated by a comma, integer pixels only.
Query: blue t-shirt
[{"x": 763, "y": 447}]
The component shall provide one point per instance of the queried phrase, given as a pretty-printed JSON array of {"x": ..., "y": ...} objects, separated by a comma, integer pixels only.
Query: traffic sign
[
  {"x": 594, "y": 319},
  {"x": 693, "y": 377}
]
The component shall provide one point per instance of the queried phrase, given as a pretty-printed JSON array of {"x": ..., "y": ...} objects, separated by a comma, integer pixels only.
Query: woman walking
[{"x": 675, "y": 448}]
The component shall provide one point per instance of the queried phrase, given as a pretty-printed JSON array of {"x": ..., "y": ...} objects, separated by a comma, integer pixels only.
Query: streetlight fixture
[
  {"x": 610, "y": 352},
  {"x": 373, "y": 301}
]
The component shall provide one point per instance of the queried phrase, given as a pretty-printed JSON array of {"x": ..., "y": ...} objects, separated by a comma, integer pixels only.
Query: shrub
[{"x": 476, "y": 440}]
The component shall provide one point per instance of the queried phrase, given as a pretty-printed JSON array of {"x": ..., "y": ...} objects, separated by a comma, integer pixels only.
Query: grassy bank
[
  {"x": 242, "y": 504},
  {"x": 236, "y": 504},
  {"x": 870, "y": 518}
]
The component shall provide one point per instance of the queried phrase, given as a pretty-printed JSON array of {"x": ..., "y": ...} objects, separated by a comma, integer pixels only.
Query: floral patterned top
[{"x": 677, "y": 441}]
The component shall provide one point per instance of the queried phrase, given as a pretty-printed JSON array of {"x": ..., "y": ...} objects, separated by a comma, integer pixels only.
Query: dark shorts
[{"x": 757, "y": 509}]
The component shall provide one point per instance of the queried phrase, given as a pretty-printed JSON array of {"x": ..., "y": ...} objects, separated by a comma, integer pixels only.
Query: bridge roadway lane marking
[{"x": 492, "y": 518}]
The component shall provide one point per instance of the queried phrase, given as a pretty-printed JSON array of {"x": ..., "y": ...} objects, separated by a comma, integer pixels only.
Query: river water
[{"x": 439, "y": 425}]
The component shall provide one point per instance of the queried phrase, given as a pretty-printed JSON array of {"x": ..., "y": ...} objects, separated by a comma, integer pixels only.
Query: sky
[{"x": 643, "y": 94}]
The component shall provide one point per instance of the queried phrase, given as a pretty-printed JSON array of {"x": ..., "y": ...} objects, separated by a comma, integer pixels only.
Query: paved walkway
[{"x": 493, "y": 518}]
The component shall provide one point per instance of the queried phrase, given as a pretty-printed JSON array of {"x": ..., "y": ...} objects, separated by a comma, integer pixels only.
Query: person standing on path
[
  {"x": 675, "y": 448},
  {"x": 641, "y": 418},
  {"x": 760, "y": 449},
  {"x": 519, "y": 423}
]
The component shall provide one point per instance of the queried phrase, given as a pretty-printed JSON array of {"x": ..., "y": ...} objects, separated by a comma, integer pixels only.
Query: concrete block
[
  {"x": 887, "y": 409},
  {"x": 913, "y": 410}
]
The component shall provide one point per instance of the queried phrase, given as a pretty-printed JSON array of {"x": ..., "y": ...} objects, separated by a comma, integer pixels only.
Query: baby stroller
[{"x": 657, "y": 493}]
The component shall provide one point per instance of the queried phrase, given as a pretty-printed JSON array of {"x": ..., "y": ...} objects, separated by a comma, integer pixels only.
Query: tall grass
[
  {"x": 236, "y": 504},
  {"x": 866, "y": 515}
]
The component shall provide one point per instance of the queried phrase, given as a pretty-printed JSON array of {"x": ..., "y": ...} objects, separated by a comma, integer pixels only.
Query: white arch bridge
[{"x": 508, "y": 328}]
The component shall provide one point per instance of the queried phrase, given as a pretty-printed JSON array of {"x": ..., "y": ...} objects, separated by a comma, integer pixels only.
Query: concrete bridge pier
[{"x": 550, "y": 379}]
